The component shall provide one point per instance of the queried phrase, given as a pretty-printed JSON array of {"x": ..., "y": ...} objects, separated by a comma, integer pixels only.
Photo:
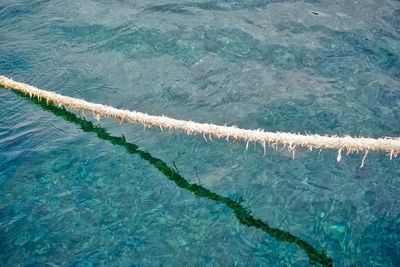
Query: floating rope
[{"x": 350, "y": 144}]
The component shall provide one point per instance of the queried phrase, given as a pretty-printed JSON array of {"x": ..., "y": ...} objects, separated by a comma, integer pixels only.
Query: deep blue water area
[{"x": 77, "y": 192}]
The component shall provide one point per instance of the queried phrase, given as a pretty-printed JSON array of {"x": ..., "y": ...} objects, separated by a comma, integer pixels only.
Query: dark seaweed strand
[{"x": 242, "y": 214}]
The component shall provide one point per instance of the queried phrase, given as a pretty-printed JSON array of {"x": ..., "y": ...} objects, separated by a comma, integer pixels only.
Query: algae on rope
[
  {"x": 391, "y": 146},
  {"x": 315, "y": 256}
]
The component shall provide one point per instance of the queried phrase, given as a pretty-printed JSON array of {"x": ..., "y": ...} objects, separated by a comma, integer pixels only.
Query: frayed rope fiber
[{"x": 347, "y": 143}]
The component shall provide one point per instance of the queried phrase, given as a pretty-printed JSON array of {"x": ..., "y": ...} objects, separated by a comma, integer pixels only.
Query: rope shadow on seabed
[{"x": 244, "y": 216}]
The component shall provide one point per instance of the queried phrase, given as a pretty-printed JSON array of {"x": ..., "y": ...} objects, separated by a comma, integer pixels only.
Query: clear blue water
[{"x": 73, "y": 194}]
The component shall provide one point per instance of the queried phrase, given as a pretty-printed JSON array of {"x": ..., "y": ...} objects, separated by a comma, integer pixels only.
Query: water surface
[{"x": 70, "y": 197}]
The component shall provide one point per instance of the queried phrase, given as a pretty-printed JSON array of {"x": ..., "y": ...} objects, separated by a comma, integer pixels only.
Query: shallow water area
[{"x": 74, "y": 191}]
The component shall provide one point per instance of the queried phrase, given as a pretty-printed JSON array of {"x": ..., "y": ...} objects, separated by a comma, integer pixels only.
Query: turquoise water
[{"x": 76, "y": 192}]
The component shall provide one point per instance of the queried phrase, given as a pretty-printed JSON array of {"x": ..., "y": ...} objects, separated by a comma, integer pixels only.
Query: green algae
[{"x": 316, "y": 257}]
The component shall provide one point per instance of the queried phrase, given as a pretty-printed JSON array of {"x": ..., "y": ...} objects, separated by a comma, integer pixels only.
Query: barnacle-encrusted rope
[{"x": 289, "y": 140}]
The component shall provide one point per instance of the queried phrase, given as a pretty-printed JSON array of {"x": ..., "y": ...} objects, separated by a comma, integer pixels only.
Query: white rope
[{"x": 389, "y": 145}]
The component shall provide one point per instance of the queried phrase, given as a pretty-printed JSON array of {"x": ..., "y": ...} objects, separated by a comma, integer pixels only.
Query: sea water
[{"x": 76, "y": 192}]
